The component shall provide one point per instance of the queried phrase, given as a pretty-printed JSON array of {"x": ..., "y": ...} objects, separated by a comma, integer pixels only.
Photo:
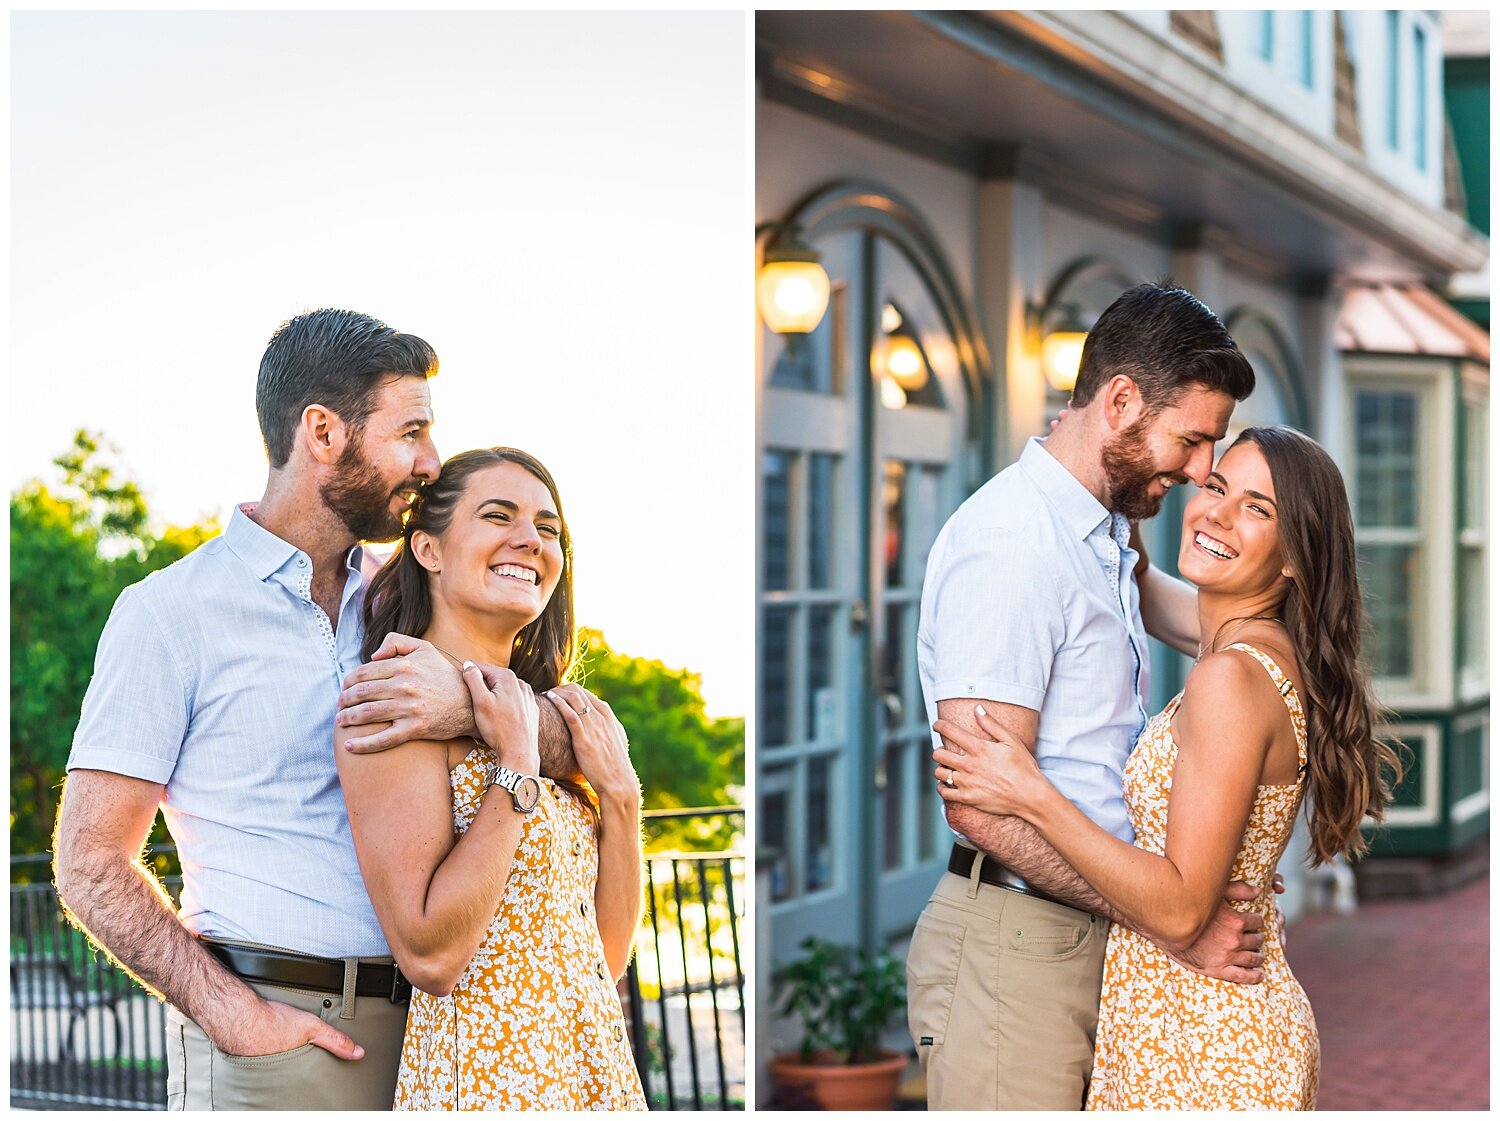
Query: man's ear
[
  {"x": 323, "y": 434},
  {"x": 426, "y": 549},
  {"x": 1122, "y": 402}
]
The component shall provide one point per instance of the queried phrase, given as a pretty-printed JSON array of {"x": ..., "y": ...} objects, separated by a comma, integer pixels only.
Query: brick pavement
[{"x": 1400, "y": 989}]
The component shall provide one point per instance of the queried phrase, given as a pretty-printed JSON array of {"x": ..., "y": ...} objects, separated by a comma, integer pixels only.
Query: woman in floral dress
[
  {"x": 509, "y": 900},
  {"x": 1277, "y": 709}
]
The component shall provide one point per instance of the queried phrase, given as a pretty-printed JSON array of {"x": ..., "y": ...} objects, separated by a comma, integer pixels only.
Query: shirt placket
[
  {"x": 1110, "y": 549},
  {"x": 302, "y": 584}
]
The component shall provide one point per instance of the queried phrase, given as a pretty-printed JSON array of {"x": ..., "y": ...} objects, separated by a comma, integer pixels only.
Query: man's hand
[
  {"x": 412, "y": 687},
  {"x": 273, "y": 1027},
  {"x": 1233, "y": 948}
]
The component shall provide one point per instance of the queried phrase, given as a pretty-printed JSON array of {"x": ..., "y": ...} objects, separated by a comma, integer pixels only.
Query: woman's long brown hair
[
  {"x": 1351, "y": 769},
  {"x": 399, "y": 598}
]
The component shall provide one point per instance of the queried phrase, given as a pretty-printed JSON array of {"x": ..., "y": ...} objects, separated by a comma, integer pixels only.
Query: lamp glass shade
[
  {"x": 1062, "y": 352},
  {"x": 792, "y": 295},
  {"x": 904, "y": 363}
]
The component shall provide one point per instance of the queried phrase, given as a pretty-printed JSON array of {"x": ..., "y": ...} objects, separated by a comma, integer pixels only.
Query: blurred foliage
[
  {"x": 73, "y": 548},
  {"x": 76, "y": 545},
  {"x": 684, "y": 757}
]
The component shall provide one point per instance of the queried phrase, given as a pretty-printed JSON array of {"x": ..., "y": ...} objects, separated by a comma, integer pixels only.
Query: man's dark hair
[
  {"x": 1164, "y": 339},
  {"x": 333, "y": 358}
]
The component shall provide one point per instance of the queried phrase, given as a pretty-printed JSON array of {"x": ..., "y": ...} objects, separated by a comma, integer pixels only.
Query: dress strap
[{"x": 1288, "y": 695}]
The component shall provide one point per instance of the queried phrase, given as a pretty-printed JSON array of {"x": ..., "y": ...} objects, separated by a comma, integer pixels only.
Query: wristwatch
[{"x": 525, "y": 790}]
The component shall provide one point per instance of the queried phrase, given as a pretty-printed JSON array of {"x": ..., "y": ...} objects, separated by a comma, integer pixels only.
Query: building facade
[{"x": 976, "y": 183}]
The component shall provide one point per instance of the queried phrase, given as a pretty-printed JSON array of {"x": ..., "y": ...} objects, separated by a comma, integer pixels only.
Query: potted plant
[{"x": 846, "y": 999}]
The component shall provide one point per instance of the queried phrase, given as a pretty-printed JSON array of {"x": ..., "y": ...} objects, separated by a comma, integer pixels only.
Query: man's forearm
[
  {"x": 1021, "y": 848},
  {"x": 554, "y": 744},
  {"x": 124, "y": 910}
]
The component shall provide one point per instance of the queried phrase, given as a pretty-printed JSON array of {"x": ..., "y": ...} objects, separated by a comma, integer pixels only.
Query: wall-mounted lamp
[
  {"x": 792, "y": 288},
  {"x": 901, "y": 359},
  {"x": 1062, "y": 350}
]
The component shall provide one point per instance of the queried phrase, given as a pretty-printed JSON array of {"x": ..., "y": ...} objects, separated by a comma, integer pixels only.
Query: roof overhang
[{"x": 1110, "y": 118}]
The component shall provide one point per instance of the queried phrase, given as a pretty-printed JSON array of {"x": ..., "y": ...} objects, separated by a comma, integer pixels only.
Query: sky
[{"x": 556, "y": 201}]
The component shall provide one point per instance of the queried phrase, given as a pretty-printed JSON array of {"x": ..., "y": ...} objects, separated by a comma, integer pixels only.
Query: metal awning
[{"x": 1407, "y": 319}]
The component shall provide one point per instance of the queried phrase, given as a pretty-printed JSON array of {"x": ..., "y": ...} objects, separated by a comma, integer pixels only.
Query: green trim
[{"x": 1457, "y": 778}]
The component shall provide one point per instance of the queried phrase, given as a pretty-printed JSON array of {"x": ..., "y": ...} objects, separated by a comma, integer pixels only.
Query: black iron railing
[{"x": 84, "y": 1034}]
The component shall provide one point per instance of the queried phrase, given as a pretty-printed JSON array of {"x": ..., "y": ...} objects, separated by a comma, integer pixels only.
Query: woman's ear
[{"x": 427, "y": 551}]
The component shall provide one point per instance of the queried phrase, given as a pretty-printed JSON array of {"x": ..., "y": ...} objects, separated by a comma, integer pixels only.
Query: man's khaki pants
[
  {"x": 200, "y": 1076},
  {"x": 1003, "y": 997}
]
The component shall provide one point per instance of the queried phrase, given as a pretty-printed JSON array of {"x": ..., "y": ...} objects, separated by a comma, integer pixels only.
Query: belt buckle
[{"x": 400, "y": 987}]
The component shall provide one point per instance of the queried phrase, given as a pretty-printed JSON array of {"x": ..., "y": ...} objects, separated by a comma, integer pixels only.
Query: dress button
[
  {"x": 599, "y": 969},
  {"x": 577, "y": 847},
  {"x": 583, "y": 909},
  {"x": 619, "y": 1033}
]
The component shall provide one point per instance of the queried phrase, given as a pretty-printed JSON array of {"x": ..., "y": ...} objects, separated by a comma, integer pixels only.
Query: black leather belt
[
  {"x": 992, "y": 872},
  {"x": 321, "y": 975}
]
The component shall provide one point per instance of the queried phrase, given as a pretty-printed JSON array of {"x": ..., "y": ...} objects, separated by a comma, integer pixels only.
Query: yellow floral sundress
[
  {"x": 535, "y": 1021},
  {"x": 1170, "y": 1038}
]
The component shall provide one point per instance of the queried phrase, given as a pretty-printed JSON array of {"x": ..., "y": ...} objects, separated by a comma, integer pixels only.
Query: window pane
[
  {"x": 821, "y": 520},
  {"x": 1388, "y": 573},
  {"x": 1473, "y": 613},
  {"x": 1386, "y": 460},
  {"x": 893, "y": 670},
  {"x": 1419, "y": 87},
  {"x": 774, "y": 839},
  {"x": 819, "y": 823},
  {"x": 775, "y": 521},
  {"x": 1265, "y": 33},
  {"x": 823, "y": 716},
  {"x": 1307, "y": 49},
  {"x": 893, "y": 496},
  {"x": 1393, "y": 79},
  {"x": 1476, "y": 466},
  {"x": 893, "y": 803},
  {"x": 775, "y": 696}
]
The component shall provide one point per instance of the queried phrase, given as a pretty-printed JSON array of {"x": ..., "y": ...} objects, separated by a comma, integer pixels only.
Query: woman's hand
[
  {"x": 599, "y": 744},
  {"x": 995, "y": 774},
  {"x": 506, "y": 715}
]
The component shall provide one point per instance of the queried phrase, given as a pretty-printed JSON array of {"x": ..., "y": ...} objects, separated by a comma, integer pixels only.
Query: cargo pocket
[{"x": 937, "y": 948}]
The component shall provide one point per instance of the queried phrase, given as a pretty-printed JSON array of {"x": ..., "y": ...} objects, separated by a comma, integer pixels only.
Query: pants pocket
[
  {"x": 1048, "y": 939},
  {"x": 932, "y": 965}
]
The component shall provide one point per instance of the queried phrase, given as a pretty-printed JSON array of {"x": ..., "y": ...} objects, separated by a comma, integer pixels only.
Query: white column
[{"x": 1010, "y": 275}]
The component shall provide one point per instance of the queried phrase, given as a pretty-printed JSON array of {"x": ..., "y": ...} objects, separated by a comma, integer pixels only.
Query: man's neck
[
  {"x": 304, "y": 522},
  {"x": 1074, "y": 445}
]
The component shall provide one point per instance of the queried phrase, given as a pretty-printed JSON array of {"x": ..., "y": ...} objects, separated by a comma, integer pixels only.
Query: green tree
[
  {"x": 684, "y": 757},
  {"x": 73, "y": 548}
]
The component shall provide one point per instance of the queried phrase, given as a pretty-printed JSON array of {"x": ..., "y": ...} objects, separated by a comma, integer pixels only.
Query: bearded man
[
  {"x": 1031, "y": 612},
  {"x": 214, "y": 696}
]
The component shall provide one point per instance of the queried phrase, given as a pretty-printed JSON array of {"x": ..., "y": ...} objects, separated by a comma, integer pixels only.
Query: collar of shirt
[
  {"x": 266, "y": 554},
  {"x": 1079, "y": 510}
]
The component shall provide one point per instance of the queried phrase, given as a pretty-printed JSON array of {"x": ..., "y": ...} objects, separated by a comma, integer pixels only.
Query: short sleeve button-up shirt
[
  {"x": 219, "y": 678},
  {"x": 1030, "y": 599}
]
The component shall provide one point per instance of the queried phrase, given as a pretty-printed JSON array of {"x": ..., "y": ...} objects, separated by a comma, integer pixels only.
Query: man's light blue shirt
[
  {"x": 1030, "y": 599},
  {"x": 219, "y": 677}
]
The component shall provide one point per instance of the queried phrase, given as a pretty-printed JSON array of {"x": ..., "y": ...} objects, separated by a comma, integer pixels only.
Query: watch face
[{"x": 528, "y": 793}]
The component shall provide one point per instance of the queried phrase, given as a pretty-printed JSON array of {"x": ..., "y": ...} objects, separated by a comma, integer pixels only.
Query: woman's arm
[
  {"x": 603, "y": 753},
  {"x": 1223, "y": 736},
  {"x": 1169, "y": 606},
  {"x": 435, "y": 895}
]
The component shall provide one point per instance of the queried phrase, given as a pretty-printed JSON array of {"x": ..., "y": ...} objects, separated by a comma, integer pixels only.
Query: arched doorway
[{"x": 871, "y": 434}]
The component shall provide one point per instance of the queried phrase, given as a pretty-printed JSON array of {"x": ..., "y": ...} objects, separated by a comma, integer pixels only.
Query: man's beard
[
  {"x": 1129, "y": 470},
  {"x": 361, "y": 498}
]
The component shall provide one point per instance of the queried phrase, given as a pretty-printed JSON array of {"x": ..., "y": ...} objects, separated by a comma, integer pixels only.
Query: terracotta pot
[{"x": 836, "y": 1085}]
